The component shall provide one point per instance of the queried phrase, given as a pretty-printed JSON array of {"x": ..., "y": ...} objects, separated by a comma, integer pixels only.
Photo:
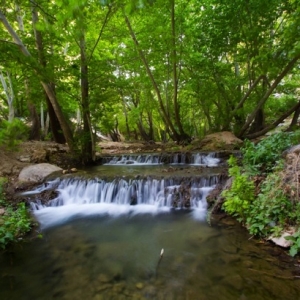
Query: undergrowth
[
  {"x": 14, "y": 223},
  {"x": 12, "y": 133},
  {"x": 268, "y": 209}
]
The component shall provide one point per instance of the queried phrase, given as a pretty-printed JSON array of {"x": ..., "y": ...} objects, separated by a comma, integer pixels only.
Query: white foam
[{"x": 51, "y": 216}]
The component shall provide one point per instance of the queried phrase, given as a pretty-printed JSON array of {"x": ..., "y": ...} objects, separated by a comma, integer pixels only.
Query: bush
[
  {"x": 271, "y": 210},
  {"x": 12, "y": 133},
  {"x": 14, "y": 223},
  {"x": 263, "y": 156},
  {"x": 267, "y": 209},
  {"x": 239, "y": 197}
]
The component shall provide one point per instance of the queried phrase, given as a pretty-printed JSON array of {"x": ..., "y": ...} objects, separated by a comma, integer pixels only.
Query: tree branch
[
  {"x": 284, "y": 72},
  {"x": 100, "y": 33},
  {"x": 275, "y": 123}
]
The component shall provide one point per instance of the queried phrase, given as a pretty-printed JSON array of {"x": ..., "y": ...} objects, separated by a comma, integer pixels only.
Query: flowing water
[{"x": 141, "y": 238}]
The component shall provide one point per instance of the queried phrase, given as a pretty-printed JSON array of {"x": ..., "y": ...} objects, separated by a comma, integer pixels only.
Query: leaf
[{"x": 293, "y": 251}]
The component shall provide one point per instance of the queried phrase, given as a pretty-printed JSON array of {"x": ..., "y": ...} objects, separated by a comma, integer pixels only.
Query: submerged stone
[{"x": 139, "y": 285}]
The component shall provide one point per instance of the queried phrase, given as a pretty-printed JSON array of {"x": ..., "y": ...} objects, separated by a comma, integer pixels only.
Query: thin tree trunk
[
  {"x": 166, "y": 119},
  {"x": 275, "y": 123},
  {"x": 295, "y": 119},
  {"x": 9, "y": 92},
  {"x": 175, "y": 77}
]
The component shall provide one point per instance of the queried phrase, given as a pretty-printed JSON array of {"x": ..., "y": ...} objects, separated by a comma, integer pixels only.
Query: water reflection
[{"x": 117, "y": 258}]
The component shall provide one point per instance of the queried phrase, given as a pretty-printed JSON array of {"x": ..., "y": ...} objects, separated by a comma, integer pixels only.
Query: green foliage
[
  {"x": 270, "y": 211},
  {"x": 262, "y": 157},
  {"x": 241, "y": 194},
  {"x": 12, "y": 133},
  {"x": 14, "y": 223},
  {"x": 295, "y": 247}
]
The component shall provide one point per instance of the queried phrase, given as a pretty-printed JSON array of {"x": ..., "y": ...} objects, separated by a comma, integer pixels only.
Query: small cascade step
[
  {"x": 145, "y": 159},
  {"x": 170, "y": 193},
  {"x": 200, "y": 159}
]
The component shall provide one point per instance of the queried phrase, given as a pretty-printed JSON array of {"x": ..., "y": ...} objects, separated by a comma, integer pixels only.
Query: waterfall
[
  {"x": 78, "y": 197},
  {"x": 134, "y": 160},
  {"x": 208, "y": 160},
  {"x": 200, "y": 159},
  {"x": 82, "y": 197}
]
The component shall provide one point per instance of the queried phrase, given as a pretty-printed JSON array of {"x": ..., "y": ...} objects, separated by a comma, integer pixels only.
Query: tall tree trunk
[
  {"x": 175, "y": 75},
  {"x": 88, "y": 152},
  {"x": 54, "y": 123},
  {"x": 35, "y": 133}
]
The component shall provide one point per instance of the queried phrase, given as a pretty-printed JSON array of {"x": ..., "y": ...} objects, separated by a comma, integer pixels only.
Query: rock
[
  {"x": 68, "y": 171},
  {"x": 103, "y": 278},
  {"x": 294, "y": 149},
  {"x": 2, "y": 211},
  {"x": 281, "y": 241},
  {"x": 139, "y": 285},
  {"x": 38, "y": 172},
  {"x": 24, "y": 158},
  {"x": 119, "y": 287},
  {"x": 224, "y": 140}
]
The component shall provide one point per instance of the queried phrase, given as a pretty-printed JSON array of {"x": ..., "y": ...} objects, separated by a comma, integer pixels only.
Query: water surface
[{"x": 119, "y": 258}]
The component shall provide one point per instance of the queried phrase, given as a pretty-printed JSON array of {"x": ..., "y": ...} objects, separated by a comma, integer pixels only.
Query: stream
[{"x": 128, "y": 229}]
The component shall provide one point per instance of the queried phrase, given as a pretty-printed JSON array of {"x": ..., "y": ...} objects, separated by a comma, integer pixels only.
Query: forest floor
[
  {"x": 30, "y": 152},
  {"x": 13, "y": 160}
]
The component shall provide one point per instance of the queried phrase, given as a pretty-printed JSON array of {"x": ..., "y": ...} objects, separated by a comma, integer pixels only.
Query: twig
[{"x": 160, "y": 258}]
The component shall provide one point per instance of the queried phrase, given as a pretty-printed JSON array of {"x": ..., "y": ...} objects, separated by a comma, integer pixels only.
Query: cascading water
[
  {"x": 134, "y": 160},
  {"x": 80, "y": 197},
  {"x": 209, "y": 160},
  {"x": 199, "y": 159}
]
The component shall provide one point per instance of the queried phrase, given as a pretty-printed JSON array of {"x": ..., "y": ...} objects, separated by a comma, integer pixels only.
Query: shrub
[
  {"x": 14, "y": 223},
  {"x": 270, "y": 211},
  {"x": 241, "y": 193},
  {"x": 263, "y": 156},
  {"x": 11, "y": 133}
]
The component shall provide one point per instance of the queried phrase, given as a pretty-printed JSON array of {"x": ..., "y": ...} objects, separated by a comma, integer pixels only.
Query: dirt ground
[{"x": 12, "y": 161}]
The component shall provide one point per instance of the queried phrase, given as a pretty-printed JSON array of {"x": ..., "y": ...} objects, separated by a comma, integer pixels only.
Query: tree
[{"x": 42, "y": 75}]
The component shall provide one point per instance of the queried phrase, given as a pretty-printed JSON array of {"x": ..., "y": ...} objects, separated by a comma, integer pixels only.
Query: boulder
[
  {"x": 38, "y": 172},
  {"x": 224, "y": 140},
  {"x": 281, "y": 240}
]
